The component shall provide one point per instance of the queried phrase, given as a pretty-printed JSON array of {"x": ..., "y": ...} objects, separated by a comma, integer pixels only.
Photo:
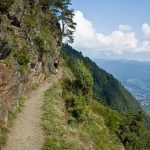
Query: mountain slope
[
  {"x": 64, "y": 131},
  {"x": 134, "y": 75},
  {"x": 106, "y": 87},
  {"x": 125, "y": 125}
]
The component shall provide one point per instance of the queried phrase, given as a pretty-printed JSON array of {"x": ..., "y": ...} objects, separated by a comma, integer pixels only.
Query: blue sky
[{"x": 121, "y": 28}]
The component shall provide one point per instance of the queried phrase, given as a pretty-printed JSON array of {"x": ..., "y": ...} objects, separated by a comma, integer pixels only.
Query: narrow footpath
[{"x": 26, "y": 132}]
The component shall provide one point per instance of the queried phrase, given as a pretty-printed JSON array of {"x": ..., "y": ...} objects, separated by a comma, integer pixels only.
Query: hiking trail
[{"x": 26, "y": 132}]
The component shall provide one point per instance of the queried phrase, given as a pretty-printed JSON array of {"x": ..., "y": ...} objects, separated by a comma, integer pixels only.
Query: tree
[
  {"x": 64, "y": 15},
  {"x": 132, "y": 132},
  {"x": 68, "y": 25}
]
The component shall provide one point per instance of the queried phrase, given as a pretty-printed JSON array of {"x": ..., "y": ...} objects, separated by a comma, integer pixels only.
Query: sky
[{"x": 112, "y": 29}]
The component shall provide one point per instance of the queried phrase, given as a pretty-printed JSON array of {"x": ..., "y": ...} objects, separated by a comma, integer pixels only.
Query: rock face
[
  {"x": 29, "y": 41},
  {"x": 4, "y": 49}
]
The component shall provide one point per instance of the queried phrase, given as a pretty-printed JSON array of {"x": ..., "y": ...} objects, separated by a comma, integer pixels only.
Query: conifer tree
[{"x": 60, "y": 8}]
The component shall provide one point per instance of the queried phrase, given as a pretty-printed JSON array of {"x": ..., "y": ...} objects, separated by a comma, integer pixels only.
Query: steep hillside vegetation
[
  {"x": 105, "y": 87},
  {"x": 80, "y": 100},
  {"x": 77, "y": 112},
  {"x": 70, "y": 123}
]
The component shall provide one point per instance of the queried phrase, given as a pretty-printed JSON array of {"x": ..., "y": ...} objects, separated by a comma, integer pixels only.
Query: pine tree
[{"x": 60, "y": 9}]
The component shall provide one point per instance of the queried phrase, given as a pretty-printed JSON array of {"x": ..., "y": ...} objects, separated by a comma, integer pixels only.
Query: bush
[
  {"x": 50, "y": 143},
  {"x": 40, "y": 43},
  {"x": 112, "y": 118},
  {"x": 84, "y": 80},
  {"x": 79, "y": 91},
  {"x": 30, "y": 20},
  {"x": 76, "y": 106},
  {"x": 5, "y": 5},
  {"x": 22, "y": 57}
]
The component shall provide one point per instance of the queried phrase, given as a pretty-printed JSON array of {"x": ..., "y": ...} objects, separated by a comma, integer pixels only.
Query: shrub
[
  {"x": 5, "y": 5},
  {"x": 84, "y": 79},
  {"x": 40, "y": 43},
  {"x": 50, "y": 143},
  {"x": 112, "y": 118},
  {"x": 76, "y": 106},
  {"x": 30, "y": 20},
  {"x": 22, "y": 57}
]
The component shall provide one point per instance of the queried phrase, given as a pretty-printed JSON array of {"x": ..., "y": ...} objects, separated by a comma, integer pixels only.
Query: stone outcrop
[
  {"x": 5, "y": 49},
  {"x": 23, "y": 62}
]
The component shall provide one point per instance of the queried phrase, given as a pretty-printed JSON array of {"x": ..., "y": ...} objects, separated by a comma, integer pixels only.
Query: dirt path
[{"x": 27, "y": 133}]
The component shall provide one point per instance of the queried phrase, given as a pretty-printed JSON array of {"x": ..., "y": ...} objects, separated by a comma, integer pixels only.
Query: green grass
[
  {"x": 91, "y": 133},
  {"x": 3, "y": 137},
  {"x": 59, "y": 135},
  {"x": 34, "y": 86}
]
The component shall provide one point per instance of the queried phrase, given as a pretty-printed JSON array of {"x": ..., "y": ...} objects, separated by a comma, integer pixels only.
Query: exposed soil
[{"x": 27, "y": 133}]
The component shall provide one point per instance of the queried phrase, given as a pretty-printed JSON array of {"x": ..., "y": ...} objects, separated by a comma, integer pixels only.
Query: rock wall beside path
[{"x": 30, "y": 39}]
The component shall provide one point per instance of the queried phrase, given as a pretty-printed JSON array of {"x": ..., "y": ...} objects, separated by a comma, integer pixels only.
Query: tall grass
[{"x": 92, "y": 133}]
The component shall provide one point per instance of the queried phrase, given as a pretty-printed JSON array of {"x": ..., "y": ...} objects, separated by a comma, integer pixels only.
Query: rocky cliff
[{"x": 30, "y": 38}]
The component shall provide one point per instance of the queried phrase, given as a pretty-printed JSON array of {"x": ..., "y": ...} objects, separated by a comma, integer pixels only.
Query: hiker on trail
[{"x": 56, "y": 64}]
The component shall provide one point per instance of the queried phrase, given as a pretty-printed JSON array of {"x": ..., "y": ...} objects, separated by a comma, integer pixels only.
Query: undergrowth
[{"x": 90, "y": 133}]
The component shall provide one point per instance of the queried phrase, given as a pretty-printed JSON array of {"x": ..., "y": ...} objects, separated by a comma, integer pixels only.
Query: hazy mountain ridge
[{"x": 134, "y": 75}]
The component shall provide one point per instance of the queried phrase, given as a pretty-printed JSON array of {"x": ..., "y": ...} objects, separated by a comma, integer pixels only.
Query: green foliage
[
  {"x": 21, "y": 100},
  {"x": 75, "y": 105},
  {"x": 22, "y": 57},
  {"x": 34, "y": 86},
  {"x": 3, "y": 137},
  {"x": 95, "y": 128},
  {"x": 50, "y": 143},
  {"x": 75, "y": 102},
  {"x": 91, "y": 133},
  {"x": 132, "y": 132},
  {"x": 128, "y": 127},
  {"x": 62, "y": 12},
  {"x": 79, "y": 91},
  {"x": 30, "y": 20},
  {"x": 105, "y": 86},
  {"x": 112, "y": 118},
  {"x": 47, "y": 35},
  {"x": 84, "y": 80},
  {"x": 68, "y": 25},
  {"x": 5, "y": 5},
  {"x": 40, "y": 43},
  {"x": 59, "y": 135}
]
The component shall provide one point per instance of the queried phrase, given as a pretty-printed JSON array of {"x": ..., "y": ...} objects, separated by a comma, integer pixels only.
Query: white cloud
[
  {"x": 146, "y": 29},
  {"x": 118, "y": 42},
  {"x": 124, "y": 27}
]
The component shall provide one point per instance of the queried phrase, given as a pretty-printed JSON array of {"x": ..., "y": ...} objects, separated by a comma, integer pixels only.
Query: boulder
[{"x": 4, "y": 49}]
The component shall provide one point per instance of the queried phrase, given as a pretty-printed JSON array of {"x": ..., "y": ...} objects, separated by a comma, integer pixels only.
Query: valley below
[{"x": 134, "y": 75}]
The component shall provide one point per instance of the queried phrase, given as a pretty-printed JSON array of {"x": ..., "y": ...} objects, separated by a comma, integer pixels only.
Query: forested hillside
[
  {"x": 93, "y": 87},
  {"x": 134, "y": 75},
  {"x": 106, "y": 87}
]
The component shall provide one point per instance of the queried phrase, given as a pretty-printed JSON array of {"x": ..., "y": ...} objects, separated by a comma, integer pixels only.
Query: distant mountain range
[{"x": 134, "y": 75}]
